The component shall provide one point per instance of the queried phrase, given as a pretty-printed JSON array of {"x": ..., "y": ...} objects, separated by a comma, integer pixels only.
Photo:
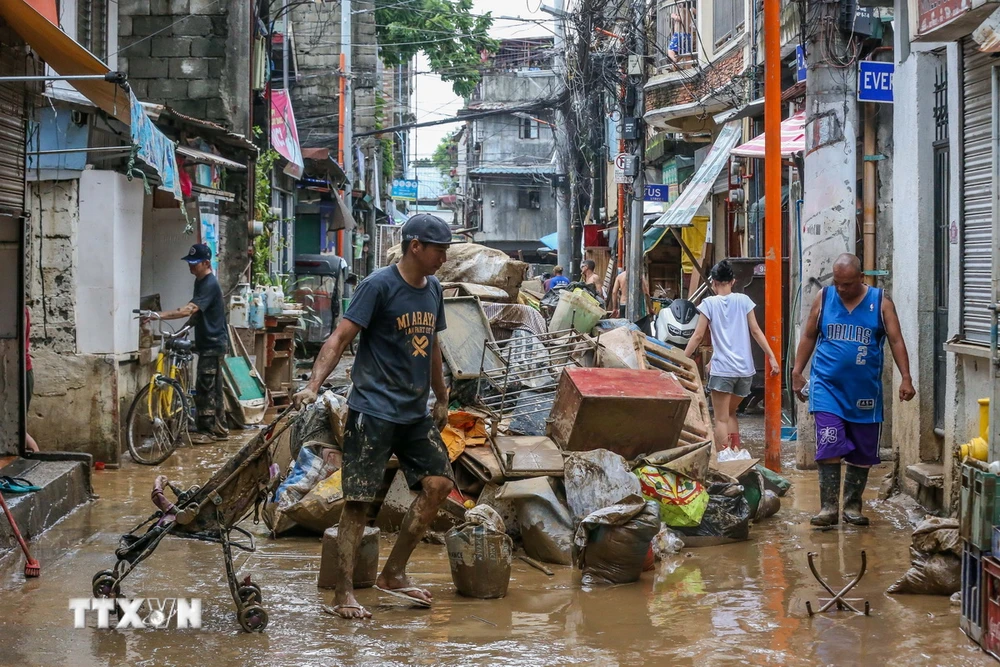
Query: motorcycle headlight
[{"x": 674, "y": 331}]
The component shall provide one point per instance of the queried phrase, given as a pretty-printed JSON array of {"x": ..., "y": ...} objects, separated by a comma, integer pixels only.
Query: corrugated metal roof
[{"x": 527, "y": 170}]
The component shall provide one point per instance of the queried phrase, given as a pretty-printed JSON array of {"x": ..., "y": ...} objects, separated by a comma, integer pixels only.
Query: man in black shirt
[
  {"x": 208, "y": 315},
  {"x": 398, "y": 311}
]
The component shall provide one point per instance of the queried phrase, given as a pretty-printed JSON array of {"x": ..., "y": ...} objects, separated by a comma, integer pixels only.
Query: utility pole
[
  {"x": 284, "y": 49},
  {"x": 636, "y": 302},
  {"x": 829, "y": 217},
  {"x": 564, "y": 229},
  {"x": 347, "y": 123}
]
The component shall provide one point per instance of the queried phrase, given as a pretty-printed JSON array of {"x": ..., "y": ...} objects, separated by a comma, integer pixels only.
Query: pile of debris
[{"x": 593, "y": 446}]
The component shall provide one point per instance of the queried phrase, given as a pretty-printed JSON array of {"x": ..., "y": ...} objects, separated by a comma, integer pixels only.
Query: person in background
[
  {"x": 557, "y": 279},
  {"x": 619, "y": 293},
  {"x": 731, "y": 319},
  {"x": 844, "y": 335},
  {"x": 29, "y": 379},
  {"x": 589, "y": 277},
  {"x": 208, "y": 313},
  {"x": 398, "y": 310}
]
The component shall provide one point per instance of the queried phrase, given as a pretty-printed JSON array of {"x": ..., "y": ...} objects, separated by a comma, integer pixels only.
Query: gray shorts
[{"x": 738, "y": 386}]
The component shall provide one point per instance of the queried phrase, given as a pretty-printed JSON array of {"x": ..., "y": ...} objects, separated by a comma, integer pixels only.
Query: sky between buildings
[{"x": 434, "y": 99}]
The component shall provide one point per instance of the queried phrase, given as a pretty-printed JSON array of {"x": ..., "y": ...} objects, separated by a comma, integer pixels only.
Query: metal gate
[
  {"x": 942, "y": 236},
  {"x": 977, "y": 191}
]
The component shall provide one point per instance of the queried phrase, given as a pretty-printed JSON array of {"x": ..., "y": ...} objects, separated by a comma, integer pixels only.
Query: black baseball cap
[
  {"x": 426, "y": 228},
  {"x": 199, "y": 252}
]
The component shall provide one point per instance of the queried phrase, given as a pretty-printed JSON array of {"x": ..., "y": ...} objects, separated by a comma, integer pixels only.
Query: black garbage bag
[
  {"x": 727, "y": 514},
  {"x": 612, "y": 543}
]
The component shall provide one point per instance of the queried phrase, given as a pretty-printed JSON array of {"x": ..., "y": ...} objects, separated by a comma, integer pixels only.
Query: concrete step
[
  {"x": 930, "y": 475},
  {"x": 65, "y": 486}
]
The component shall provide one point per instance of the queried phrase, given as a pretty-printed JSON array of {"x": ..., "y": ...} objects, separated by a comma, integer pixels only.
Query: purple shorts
[{"x": 838, "y": 438}]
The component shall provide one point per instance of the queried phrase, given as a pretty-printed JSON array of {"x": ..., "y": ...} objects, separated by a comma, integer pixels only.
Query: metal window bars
[{"x": 524, "y": 385}]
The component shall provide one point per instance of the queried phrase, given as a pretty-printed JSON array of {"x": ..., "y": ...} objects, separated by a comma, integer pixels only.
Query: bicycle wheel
[{"x": 155, "y": 422}]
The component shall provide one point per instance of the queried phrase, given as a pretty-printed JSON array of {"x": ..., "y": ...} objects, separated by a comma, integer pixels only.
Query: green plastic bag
[{"x": 682, "y": 500}]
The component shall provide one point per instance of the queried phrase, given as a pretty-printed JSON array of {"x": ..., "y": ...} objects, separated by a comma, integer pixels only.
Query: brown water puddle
[{"x": 735, "y": 604}]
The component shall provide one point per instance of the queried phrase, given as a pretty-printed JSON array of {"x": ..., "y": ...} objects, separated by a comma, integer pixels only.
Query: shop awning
[
  {"x": 66, "y": 57},
  {"x": 687, "y": 204},
  {"x": 203, "y": 157},
  {"x": 793, "y": 139}
]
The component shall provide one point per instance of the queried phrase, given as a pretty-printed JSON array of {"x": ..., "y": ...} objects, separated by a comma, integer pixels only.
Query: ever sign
[{"x": 875, "y": 81}]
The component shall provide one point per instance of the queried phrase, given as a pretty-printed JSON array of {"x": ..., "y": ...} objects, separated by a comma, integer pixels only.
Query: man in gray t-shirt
[{"x": 398, "y": 311}]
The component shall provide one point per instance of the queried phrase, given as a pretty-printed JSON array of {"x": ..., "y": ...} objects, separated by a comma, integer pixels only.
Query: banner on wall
[{"x": 284, "y": 134}]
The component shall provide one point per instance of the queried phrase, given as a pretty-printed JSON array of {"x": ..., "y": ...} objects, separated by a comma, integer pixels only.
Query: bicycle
[{"x": 158, "y": 417}]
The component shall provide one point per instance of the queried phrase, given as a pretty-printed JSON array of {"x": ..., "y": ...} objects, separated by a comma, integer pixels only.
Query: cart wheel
[
  {"x": 250, "y": 594},
  {"x": 102, "y": 573},
  {"x": 105, "y": 585},
  {"x": 253, "y": 618}
]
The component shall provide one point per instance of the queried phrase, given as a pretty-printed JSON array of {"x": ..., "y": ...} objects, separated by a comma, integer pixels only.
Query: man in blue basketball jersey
[{"x": 847, "y": 327}]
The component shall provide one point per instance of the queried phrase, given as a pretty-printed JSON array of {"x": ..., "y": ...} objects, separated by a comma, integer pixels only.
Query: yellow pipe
[
  {"x": 984, "y": 418},
  {"x": 977, "y": 447}
]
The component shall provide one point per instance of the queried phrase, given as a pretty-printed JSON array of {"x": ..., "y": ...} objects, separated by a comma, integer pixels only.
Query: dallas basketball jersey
[{"x": 846, "y": 375}]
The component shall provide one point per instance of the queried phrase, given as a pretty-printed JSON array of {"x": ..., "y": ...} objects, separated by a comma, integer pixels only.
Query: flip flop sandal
[
  {"x": 401, "y": 593},
  {"x": 335, "y": 611},
  {"x": 17, "y": 485}
]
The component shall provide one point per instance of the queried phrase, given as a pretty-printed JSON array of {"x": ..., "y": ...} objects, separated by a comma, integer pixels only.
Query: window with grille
[
  {"x": 728, "y": 18},
  {"x": 92, "y": 26},
  {"x": 527, "y": 128},
  {"x": 529, "y": 199},
  {"x": 676, "y": 32}
]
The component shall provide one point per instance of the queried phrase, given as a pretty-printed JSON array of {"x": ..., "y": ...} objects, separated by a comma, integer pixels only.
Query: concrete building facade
[
  {"x": 943, "y": 241},
  {"x": 509, "y": 158}
]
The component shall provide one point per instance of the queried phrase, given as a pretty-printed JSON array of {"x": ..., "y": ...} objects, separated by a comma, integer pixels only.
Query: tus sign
[
  {"x": 138, "y": 613},
  {"x": 875, "y": 81}
]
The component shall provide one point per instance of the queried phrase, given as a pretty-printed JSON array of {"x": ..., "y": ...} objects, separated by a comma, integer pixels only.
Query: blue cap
[
  {"x": 199, "y": 252},
  {"x": 426, "y": 228}
]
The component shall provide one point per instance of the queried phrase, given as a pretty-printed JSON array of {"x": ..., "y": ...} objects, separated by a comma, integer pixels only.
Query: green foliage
[
  {"x": 262, "y": 255},
  {"x": 445, "y": 158},
  {"x": 388, "y": 158},
  {"x": 452, "y": 38}
]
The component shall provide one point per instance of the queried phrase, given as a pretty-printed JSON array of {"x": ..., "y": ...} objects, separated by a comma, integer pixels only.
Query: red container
[
  {"x": 991, "y": 622},
  {"x": 594, "y": 237},
  {"x": 629, "y": 412}
]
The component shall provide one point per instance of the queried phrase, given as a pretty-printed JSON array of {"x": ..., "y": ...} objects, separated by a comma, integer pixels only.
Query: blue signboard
[
  {"x": 800, "y": 63},
  {"x": 404, "y": 189},
  {"x": 875, "y": 81},
  {"x": 656, "y": 192}
]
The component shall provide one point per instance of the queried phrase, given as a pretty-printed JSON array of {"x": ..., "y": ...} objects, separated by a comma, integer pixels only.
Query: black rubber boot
[
  {"x": 855, "y": 480},
  {"x": 829, "y": 495}
]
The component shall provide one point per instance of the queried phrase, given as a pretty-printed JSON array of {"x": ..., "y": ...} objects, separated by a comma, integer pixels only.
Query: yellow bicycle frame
[{"x": 165, "y": 398}]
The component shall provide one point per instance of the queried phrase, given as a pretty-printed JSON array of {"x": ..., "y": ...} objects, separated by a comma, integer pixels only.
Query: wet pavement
[{"x": 734, "y": 604}]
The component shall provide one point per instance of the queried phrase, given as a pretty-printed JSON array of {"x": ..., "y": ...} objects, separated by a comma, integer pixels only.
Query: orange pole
[
  {"x": 773, "y": 325},
  {"x": 340, "y": 139}
]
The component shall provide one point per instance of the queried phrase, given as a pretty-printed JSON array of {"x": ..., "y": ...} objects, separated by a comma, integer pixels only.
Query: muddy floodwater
[{"x": 735, "y": 604}]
